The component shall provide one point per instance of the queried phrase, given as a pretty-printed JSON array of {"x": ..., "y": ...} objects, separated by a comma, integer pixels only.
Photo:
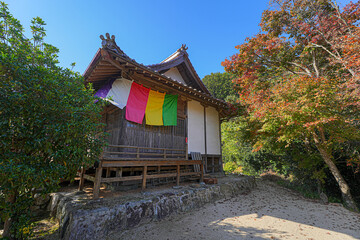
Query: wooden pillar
[
  {"x": 144, "y": 178},
  {"x": 205, "y": 130},
  {"x": 98, "y": 175},
  {"x": 107, "y": 172},
  {"x": 201, "y": 172},
  {"x": 97, "y": 182},
  {"x": 118, "y": 173},
  {"x": 220, "y": 159},
  {"x": 205, "y": 137},
  {"x": 205, "y": 164},
  {"x": 213, "y": 164},
  {"x": 82, "y": 180},
  {"x": 186, "y": 131},
  {"x": 178, "y": 174}
]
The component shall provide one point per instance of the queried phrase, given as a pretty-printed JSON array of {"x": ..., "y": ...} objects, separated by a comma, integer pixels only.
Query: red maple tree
[{"x": 299, "y": 78}]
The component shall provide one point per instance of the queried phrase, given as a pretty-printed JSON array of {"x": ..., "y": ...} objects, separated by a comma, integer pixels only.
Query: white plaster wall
[
  {"x": 212, "y": 131},
  {"x": 174, "y": 74},
  {"x": 196, "y": 137}
]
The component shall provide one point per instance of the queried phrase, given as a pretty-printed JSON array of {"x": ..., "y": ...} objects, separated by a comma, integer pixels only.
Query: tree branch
[
  {"x": 307, "y": 71},
  {"x": 327, "y": 50},
  {"x": 314, "y": 64}
]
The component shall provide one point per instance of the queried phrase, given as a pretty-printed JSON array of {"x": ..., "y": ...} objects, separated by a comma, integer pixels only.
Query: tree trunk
[
  {"x": 7, "y": 226},
  {"x": 344, "y": 188}
]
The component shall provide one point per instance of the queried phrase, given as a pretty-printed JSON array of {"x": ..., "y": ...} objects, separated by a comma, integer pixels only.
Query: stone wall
[{"x": 81, "y": 218}]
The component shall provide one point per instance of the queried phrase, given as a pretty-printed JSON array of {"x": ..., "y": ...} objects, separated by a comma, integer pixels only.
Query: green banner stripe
[{"x": 170, "y": 110}]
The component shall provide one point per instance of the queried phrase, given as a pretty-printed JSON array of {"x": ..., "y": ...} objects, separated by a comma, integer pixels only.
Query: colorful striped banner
[{"x": 160, "y": 109}]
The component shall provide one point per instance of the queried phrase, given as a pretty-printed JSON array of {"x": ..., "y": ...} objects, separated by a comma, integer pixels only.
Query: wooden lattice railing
[{"x": 128, "y": 153}]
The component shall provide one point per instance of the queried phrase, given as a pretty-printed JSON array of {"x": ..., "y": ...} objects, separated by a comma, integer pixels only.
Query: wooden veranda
[{"x": 151, "y": 162}]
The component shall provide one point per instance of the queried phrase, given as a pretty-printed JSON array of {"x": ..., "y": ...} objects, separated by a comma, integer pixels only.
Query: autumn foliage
[{"x": 299, "y": 78}]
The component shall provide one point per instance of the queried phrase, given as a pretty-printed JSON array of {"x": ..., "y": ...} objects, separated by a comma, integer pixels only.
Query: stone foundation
[{"x": 82, "y": 218}]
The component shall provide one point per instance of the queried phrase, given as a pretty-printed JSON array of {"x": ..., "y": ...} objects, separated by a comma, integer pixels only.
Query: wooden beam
[
  {"x": 120, "y": 179},
  {"x": 97, "y": 182},
  {"x": 102, "y": 63},
  {"x": 150, "y": 148},
  {"x": 107, "y": 71},
  {"x": 140, "y": 163},
  {"x": 152, "y": 176},
  {"x": 90, "y": 178}
]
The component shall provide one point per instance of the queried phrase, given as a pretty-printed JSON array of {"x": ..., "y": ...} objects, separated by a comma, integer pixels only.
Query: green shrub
[
  {"x": 49, "y": 122},
  {"x": 230, "y": 167}
]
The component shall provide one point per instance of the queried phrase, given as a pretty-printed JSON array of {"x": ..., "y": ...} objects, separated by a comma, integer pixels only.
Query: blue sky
[{"x": 147, "y": 31}]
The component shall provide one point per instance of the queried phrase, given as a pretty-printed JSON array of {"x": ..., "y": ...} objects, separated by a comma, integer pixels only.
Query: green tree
[
  {"x": 237, "y": 147},
  {"x": 220, "y": 85},
  {"x": 49, "y": 124},
  {"x": 297, "y": 79}
]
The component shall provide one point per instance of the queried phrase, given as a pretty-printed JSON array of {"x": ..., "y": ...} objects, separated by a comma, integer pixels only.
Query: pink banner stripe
[{"x": 136, "y": 104}]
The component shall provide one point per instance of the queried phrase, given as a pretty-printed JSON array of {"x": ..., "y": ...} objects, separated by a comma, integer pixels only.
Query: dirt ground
[{"x": 267, "y": 212}]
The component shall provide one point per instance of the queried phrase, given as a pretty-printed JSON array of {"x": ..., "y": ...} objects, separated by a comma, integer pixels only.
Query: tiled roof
[{"x": 109, "y": 60}]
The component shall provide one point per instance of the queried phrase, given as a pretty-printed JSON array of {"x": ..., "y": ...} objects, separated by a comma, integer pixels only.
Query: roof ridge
[
  {"x": 182, "y": 49},
  {"x": 110, "y": 44}
]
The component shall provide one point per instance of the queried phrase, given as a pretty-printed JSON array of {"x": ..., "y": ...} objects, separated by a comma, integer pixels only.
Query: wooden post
[
  {"x": 186, "y": 132},
  {"x": 82, "y": 180},
  {"x": 137, "y": 153},
  {"x": 205, "y": 162},
  {"x": 205, "y": 137},
  {"x": 97, "y": 182},
  {"x": 178, "y": 174},
  {"x": 144, "y": 178},
  {"x": 164, "y": 154},
  {"x": 107, "y": 172},
  {"x": 201, "y": 172},
  {"x": 118, "y": 173},
  {"x": 220, "y": 159},
  {"x": 213, "y": 164},
  {"x": 220, "y": 167}
]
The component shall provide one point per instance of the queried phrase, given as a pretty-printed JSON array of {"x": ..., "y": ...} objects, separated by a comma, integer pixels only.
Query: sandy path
[{"x": 268, "y": 212}]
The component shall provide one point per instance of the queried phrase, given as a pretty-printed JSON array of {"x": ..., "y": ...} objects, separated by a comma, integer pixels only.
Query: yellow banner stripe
[{"x": 154, "y": 108}]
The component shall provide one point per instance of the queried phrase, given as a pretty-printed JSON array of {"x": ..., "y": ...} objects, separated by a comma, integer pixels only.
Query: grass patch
[
  {"x": 45, "y": 229},
  {"x": 304, "y": 190}
]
